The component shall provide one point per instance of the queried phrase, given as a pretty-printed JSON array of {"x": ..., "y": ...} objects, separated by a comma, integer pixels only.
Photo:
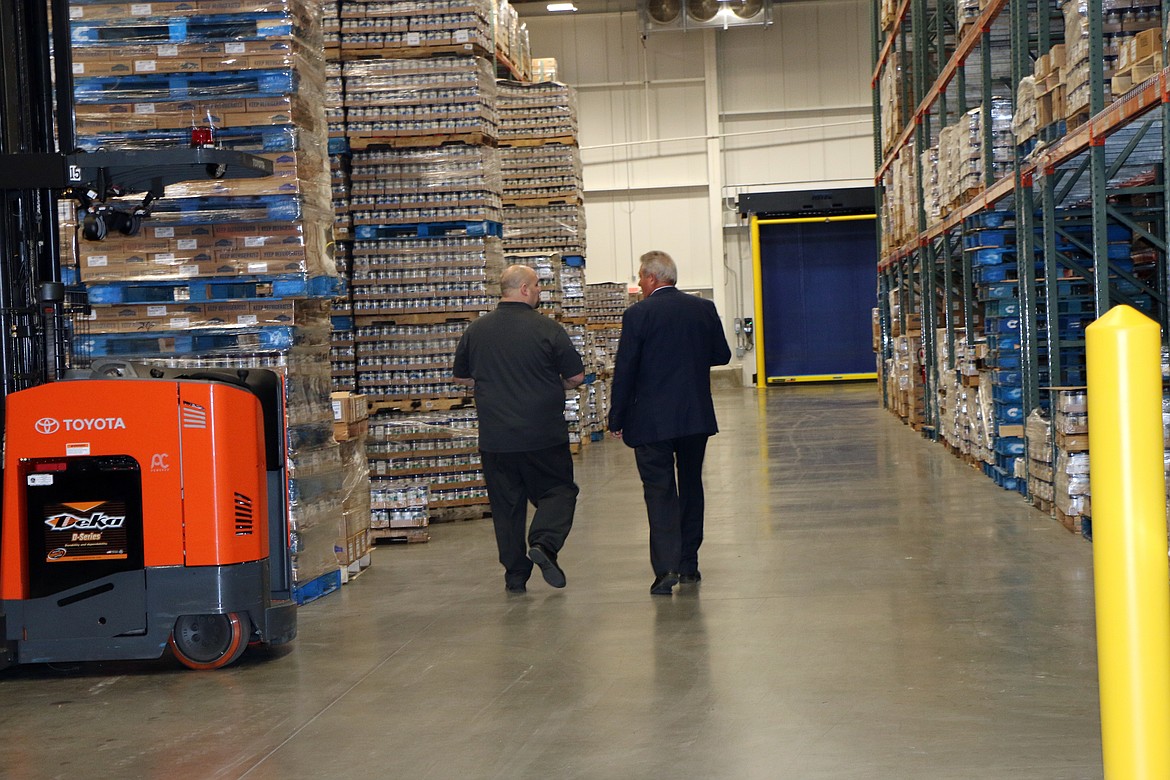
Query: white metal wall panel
[
  {"x": 612, "y": 118},
  {"x": 816, "y": 54},
  {"x": 794, "y": 102},
  {"x": 621, "y": 229}
]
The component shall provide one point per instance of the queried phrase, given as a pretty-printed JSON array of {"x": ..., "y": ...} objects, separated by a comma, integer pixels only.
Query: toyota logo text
[{"x": 47, "y": 425}]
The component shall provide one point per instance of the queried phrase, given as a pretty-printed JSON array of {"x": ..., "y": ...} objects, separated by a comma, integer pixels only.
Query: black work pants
[
  {"x": 542, "y": 477},
  {"x": 674, "y": 505}
]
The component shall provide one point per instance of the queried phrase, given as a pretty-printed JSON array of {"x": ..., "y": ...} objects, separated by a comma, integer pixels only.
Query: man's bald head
[{"x": 520, "y": 283}]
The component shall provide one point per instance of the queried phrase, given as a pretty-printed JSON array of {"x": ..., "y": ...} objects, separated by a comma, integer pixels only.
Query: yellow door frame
[{"x": 762, "y": 379}]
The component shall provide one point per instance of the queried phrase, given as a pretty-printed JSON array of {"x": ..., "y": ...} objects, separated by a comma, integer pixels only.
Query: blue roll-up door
[{"x": 818, "y": 285}]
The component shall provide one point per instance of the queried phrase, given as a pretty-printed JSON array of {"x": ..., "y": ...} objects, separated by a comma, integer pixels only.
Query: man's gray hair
[{"x": 659, "y": 265}]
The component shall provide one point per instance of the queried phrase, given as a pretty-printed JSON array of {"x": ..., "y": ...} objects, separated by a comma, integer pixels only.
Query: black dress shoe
[
  {"x": 516, "y": 588},
  {"x": 664, "y": 584},
  {"x": 547, "y": 561},
  {"x": 689, "y": 579}
]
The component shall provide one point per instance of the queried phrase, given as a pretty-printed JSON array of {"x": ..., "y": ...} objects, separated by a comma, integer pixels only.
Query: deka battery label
[{"x": 85, "y": 531}]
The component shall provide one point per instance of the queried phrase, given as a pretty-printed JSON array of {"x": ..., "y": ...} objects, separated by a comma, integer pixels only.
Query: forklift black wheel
[
  {"x": 205, "y": 642},
  {"x": 93, "y": 227}
]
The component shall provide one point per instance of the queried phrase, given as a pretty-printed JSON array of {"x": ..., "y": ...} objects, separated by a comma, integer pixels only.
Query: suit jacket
[{"x": 662, "y": 376}]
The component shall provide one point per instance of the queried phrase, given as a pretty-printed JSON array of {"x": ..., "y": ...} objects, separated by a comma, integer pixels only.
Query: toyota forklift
[{"x": 141, "y": 508}]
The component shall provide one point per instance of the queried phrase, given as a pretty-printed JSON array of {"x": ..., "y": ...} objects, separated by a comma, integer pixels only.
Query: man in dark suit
[{"x": 661, "y": 406}]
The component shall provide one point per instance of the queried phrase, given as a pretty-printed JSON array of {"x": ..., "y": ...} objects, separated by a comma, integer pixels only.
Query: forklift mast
[
  {"x": 36, "y": 134},
  {"x": 39, "y": 165}
]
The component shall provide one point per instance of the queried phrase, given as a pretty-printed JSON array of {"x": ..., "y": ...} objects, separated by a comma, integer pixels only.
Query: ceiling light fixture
[{"x": 555, "y": 7}]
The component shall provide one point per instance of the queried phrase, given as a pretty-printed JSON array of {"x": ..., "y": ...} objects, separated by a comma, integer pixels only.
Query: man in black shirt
[{"x": 520, "y": 364}]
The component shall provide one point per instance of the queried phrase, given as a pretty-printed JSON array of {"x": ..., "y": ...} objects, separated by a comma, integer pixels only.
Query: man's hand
[{"x": 616, "y": 434}]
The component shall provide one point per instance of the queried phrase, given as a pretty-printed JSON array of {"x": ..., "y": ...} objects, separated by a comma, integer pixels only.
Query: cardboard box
[
  {"x": 180, "y": 231},
  {"x": 167, "y": 65},
  {"x": 145, "y": 318},
  {"x": 89, "y": 13},
  {"x": 238, "y": 48},
  {"x": 349, "y": 407},
  {"x": 544, "y": 69},
  {"x": 1043, "y": 66},
  {"x": 233, "y": 6},
  {"x": 1056, "y": 57},
  {"x": 1125, "y": 53},
  {"x": 352, "y": 548},
  {"x": 349, "y": 431},
  {"x": 254, "y": 313},
  {"x": 1147, "y": 43},
  {"x": 101, "y": 68}
]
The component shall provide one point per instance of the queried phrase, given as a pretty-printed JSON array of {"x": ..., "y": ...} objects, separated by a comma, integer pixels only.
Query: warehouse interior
[
  {"x": 307, "y": 202},
  {"x": 919, "y": 623}
]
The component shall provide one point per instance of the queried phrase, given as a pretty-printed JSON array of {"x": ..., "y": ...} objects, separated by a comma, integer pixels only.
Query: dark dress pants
[
  {"x": 542, "y": 477},
  {"x": 674, "y": 505}
]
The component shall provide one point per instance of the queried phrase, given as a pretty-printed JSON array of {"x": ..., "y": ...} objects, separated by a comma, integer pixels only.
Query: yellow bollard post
[{"x": 1131, "y": 574}]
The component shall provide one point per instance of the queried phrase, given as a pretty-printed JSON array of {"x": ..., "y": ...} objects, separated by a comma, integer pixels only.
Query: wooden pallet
[
  {"x": 451, "y": 514},
  {"x": 1077, "y": 119},
  {"x": 353, "y": 52},
  {"x": 962, "y": 200},
  {"x": 1142, "y": 69},
  {"x": 384, "y": 536},
  {"x": 417, "y": 404},
  {"x": 366, "y": 141},
  {"x": 1070, "y": 522},
  {"x": 552, "y": 140},
  {"x": 535, "y": 202},
  {"x": 1044, "y": 505},
  {"x": 421, "y": 318}
]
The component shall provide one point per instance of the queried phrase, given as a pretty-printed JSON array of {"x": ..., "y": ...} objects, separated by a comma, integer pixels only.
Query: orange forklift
[{"x": 141, "y": 507}]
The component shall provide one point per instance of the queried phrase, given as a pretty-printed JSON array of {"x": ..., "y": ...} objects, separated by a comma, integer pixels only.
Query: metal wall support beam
[
  {"x": 968, "y": 292},
  {"x": 1096, "y": 57},
  {"x": 885, "y": 345},
  {"x": 917, "y": 51},
  {"x": 1098, "y": 177},
  {"x": 941, "y": 11},
  {"x": 908, "y": 86},
  {"x": 985, "y": 114},
  {"x": 1051, "y": 271},
  {"x": 1043, "y": 27},
  {"x": 1021, "y": 53},
  {"x": 1026, "y": 264},
  {"x": 1025, "y": 224},
  {"x": 930, "y": 352},
  {"x": 948, "y": 296},
  {"x": 1100, "y": 255},
  {"x": 1162, "y": 279},
  {"x": 961, "y": 88}
]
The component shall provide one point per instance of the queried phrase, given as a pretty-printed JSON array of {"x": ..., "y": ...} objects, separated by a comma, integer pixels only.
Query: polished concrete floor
[{"x": 870, "y": 608}]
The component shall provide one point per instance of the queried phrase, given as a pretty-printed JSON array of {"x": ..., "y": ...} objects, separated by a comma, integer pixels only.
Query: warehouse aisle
[{"x": 870, "y": 608}]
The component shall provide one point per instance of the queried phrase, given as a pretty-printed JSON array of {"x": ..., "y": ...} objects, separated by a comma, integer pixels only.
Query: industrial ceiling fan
[{"x": 663, "y": 15}]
